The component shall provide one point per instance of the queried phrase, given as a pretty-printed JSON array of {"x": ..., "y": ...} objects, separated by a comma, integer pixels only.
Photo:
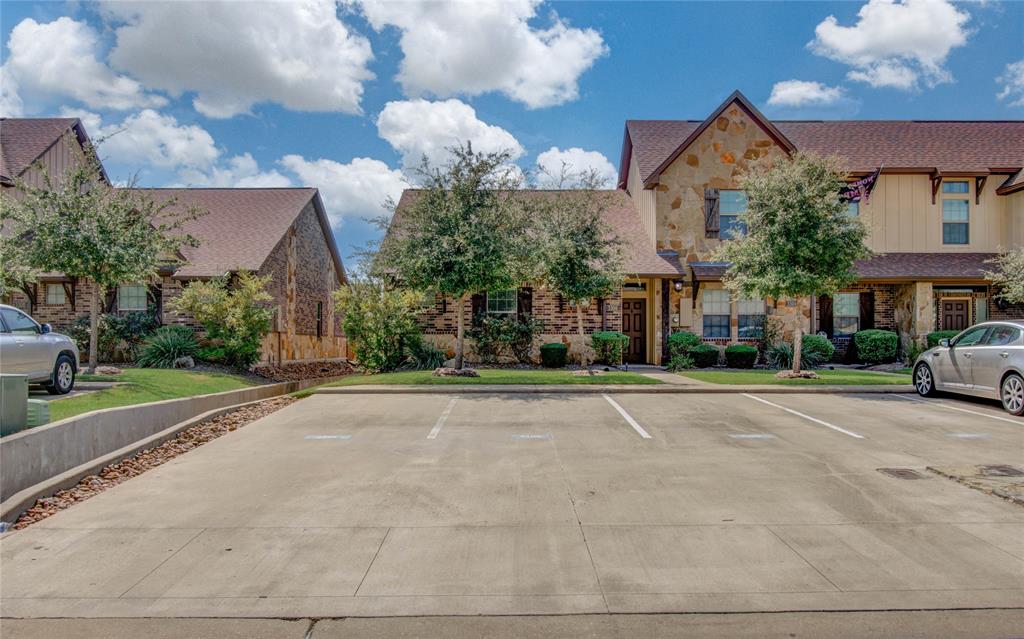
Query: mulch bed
[
  {"x": 298, "y": 371},
  {"x": 140, "y": 462}
]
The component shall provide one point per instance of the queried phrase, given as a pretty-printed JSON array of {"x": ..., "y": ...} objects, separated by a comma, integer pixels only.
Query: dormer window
[{"x": 732, "y": 204}]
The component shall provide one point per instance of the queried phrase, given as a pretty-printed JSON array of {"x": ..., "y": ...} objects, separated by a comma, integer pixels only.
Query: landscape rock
[
  {"x": 108, "y": 370},
  {"x": 184, "y": 362},
  {"x": 799, "y": 375},
  {"x": 298, "y": 371},
  {"x": 446, "y": 371}
]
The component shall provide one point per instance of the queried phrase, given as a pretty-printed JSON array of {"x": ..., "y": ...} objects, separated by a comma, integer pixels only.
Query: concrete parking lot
[{"x": 380, "y": 505}]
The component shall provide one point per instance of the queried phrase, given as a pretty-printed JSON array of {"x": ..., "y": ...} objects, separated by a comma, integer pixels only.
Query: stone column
[{"x": 924, "y": 312}]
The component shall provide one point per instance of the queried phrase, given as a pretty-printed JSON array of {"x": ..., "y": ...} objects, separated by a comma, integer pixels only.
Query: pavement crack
[
  {"x": 805, "y": 560},
  {"x": 372, "y": 561},
  {"x": 157, "y": 567}
]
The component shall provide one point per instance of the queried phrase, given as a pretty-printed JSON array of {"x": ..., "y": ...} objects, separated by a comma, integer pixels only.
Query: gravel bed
[{"x": 140, "y": 462}]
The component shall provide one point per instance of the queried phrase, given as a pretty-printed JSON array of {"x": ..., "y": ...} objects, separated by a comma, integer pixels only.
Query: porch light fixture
[{"x": 677, "y": 285}]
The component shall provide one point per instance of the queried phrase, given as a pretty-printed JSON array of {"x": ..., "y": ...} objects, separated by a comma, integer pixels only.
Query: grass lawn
[
  {"x": 144, "y": 385},
  {"x": 498, "y": 376},
  {"x": 843, "y": 377}
]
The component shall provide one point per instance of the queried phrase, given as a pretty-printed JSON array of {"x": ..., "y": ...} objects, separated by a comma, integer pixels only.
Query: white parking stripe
[
  {"x": 632, "y": 422},
  {"x": 962, "y": 410},
  {"x": 807, "y": 417},
  {"x": 441, "y": 420}
]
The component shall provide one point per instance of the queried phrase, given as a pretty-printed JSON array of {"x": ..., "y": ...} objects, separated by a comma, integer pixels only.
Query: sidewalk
[{"x": 592, "y": 389}]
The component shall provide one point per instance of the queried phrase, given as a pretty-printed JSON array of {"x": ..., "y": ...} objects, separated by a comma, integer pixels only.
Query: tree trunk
[
  {"x": 94, "y": 327},
  {"x": 798, "y": 340},
  {"x": 460, "y": 333},
  {"x": 584, "y": 361}
]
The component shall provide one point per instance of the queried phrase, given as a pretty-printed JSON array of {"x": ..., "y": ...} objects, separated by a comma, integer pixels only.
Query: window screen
[{"x": 131, "y": 297}]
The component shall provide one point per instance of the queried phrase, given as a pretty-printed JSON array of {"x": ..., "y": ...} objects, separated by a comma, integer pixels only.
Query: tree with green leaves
[
  {"x": 581, "y": 257},
  {"x": 463, "y": 232},
  {"x": 800, "y": 240},
  {"x": 80, "y": 225},
  {"x": 379, "y": 319},
  {"x": 15, "y": 270},
  {"x": 1008, "y": 275}
]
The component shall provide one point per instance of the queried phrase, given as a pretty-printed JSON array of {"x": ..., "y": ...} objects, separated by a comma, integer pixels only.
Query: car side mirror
[
  {"x": 944, "y": 343},
  {"x": 45, "y": 328}
]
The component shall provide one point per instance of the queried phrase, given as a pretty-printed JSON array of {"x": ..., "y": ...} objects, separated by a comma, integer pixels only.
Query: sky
[{"x": 349, "y": 96}]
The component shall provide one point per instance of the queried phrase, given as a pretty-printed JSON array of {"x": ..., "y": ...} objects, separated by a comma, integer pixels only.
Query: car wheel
[
  {"x": 63, "y": 376},
  {"x": 924, "y": 381},
  {"x": 1012, "y": 393}
]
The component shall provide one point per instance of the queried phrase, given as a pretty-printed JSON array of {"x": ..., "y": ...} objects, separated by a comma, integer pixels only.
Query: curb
[{"x": 596, "y": 389}]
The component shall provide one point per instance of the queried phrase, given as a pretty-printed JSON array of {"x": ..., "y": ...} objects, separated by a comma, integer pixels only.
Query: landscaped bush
[
  {"x": 779, "y": 355},
  {"x": 120, "y": 334},
  {"x": 816, "y": 350},
  {"x": 422, "y": 355},
  {"x": 680, "y": 363},
  {"x": 609, "y": 347},
  {"x": 214, "y": 354},
  {"x": 740, "y": 356},
  {"x": 681, "y": 342},
  {"x": 933, "y": 338},
  {"x": 164, "y": 347},
  {"x": 494, "y": 337},
  {"x": 704, "y": 355},
  {"x": 554, "y": 355},
  {"x": 379, "y": 322},
  {"x": 876, "y": 346}
]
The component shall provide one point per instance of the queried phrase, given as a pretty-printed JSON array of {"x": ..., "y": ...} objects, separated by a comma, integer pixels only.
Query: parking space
[{"x": 531, "y": 503}]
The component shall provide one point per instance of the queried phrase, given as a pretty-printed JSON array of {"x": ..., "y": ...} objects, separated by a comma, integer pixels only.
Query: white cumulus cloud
[
  {"x": 798, "y": 93},
  {"x": 576, "y": 161},
  {"x": 61, "y": 59},
  {"x": 233, "y": 55},
  {"x": 420, "y": 127},
  {"x": 460, "y": 48},
  {"x": 359, "y": 188},
  {"x": 1012, "y": 80},
  {"x": 895, "y": 44},
  {"x": 239, "y": 171}
]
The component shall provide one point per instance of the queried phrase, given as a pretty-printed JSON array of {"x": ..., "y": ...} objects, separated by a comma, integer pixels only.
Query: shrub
[
  {"x": 933, "y": 338},
  {"x": 680, "y": 363},
  {"x": 422, "y": 355},
  {"x": 379, "y": 322},
  {"x": 494, "y": 337},
  {"x": 779, "y": 355},
  {"x": 120, "y": 334},
  {"x": 234, "y": 311},
  {"x": 212, "y": 354},
  {"x": 162, "y": 348},
  {"x": 521, "y": 334},
  {"x": 740, "y": 356},
  {"x": 609, "y": 346},
  {"x": 876, "y": 346},
  {"x": 554, "y": 355},
  {"x": 704, "y": 355},
  {"x": 816, "y": 350},
  {"x": 681, "y": 342}
]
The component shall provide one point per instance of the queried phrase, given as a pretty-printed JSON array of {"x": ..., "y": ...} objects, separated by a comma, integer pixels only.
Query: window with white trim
[
  {"x": 502, "y": 302},
  {"x": 956, "y": 212},
  {"x": 845, "y": 314},
  {"x": 55, "y": 294},
  {"x": 731, "y": 204},
  {"x": 750, "y": 318},
  {"x": 716, "y": 309},
  {"x": 131, "y": 297}
]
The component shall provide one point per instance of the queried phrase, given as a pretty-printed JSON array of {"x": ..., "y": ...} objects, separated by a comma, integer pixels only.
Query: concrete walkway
[{"x": 674, "y": 388}]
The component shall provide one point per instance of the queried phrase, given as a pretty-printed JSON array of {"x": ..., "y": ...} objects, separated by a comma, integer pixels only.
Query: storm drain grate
[
  {"x": 1001, "y": 470},
  {"x": 902, "y": 473}
]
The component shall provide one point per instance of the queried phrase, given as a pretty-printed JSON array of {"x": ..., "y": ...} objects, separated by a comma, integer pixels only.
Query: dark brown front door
[
  {"x": 955, "y": 315},
  {"x": 634, "y": 323}
]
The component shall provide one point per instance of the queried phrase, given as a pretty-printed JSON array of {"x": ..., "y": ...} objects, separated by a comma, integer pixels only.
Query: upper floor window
[
  {"x": 846, "y": 313},
  {"x": 55, "y": 294},
  {"x": 501, "y": 302},
  {"x": 955, "y": 212},
  {"x": 750, "y": 318},
  {"x": 716, "y": 311},
  {"x": 731, "y": 205},
  {"x": 131, "y": 297}
]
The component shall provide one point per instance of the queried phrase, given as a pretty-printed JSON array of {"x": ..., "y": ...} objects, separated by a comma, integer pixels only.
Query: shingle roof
[
  {"x": 240, "y": 228},
  {"x": 23, "y": 140},
  {"x": 640, "y": 255},
  {"x": 925, "y": 266},
  {"x": 949, "y": 146},
  {"x": 1012, "y": 184}
]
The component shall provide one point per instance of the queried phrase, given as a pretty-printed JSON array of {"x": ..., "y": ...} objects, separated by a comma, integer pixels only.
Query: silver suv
[
  {"x": 32, "y": 349},
  {"x": 986, "y": 360}
]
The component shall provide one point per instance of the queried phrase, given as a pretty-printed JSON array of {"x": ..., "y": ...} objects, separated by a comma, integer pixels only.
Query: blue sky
[{"x": 345, "y": 97}]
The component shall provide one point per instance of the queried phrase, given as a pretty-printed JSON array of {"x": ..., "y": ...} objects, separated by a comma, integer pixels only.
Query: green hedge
[
  {"x": 875, "y": 346},
  {"x": 704, "y": 355},
  {"x": 609, "y": 346},
  {"x": 554, "y": 355},
  {"x": 933, "y": 338},
  {"x": 681, "y": 342},
  {"x": 740, "y": 356},
  {"x": 816, "y": 350}
]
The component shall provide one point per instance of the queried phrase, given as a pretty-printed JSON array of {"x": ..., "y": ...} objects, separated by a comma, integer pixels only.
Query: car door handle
[
  {"x": 1004, "y": 354},
  {"x": 968, "y": 355}
]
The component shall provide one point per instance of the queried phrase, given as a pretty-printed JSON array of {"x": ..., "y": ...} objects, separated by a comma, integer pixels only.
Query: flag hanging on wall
[{"x": 861, "y": 189}]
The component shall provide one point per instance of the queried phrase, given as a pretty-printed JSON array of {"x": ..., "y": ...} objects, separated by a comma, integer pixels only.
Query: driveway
[{"x": 379, "y": 505}]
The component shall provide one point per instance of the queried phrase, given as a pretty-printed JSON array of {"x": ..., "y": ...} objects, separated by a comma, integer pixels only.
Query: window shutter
[
  {"x": 825, "y": 315},
  {"x": 524, "y": 302},
  {"x": 867, "y": 310},
  {"x": 710, "y": 212},
  {"x": 110, "y": 303},
  {"x": 478, "y": 303}
]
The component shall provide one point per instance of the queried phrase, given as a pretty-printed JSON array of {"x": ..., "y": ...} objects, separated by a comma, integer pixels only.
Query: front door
[
  {"x": 634, "y": 324},
  {"x": 956, "y": 314}
]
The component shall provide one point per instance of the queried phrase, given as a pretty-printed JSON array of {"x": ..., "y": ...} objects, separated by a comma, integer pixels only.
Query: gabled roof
[
  {"x": 25, "y": 140},
  {"x": 641, "y": 259},
  {"x": 1012, "y": 184},
  {"x": 945, "y": 146},
  {"x": 240, "y": 227}
]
